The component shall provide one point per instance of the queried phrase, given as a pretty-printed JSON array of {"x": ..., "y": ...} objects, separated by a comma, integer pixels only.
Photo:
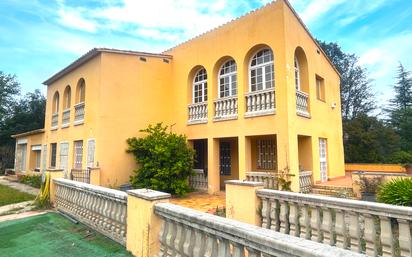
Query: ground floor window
[
  {"x": 323, "y": 159},
  {"x": 38, "y": 160},
  {"x": 91, "y": 146},
  {"x": 225, "y": 159},
  {"x": 53, "y": 153},
  {"x": 78, "y": 154},
  {"x": 23, "y": 156},
  {"x": 266, "y": 158}
]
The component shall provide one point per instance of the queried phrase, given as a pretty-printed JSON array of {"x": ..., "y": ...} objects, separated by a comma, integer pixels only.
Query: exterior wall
[
  {"x": 369, "y": 167},
  {"x": 32, "y": 140},
  {"x": 325, "y": 121},
  {"x": 133, "y": 95}
]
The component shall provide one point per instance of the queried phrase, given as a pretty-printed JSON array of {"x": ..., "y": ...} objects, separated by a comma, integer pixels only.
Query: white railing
[
  {"x": 371, "y": 228},
  {"x": 197, "y": 113},
  {"x": 226, "y": 108},
  {"x": 269, "y": 179},
  {"x": 305, "y": 181},
  {"x": 198, "y": 180},
  {"x": 260, "y": 102},
  {"x": 54, "y": 120},
  {"x": 186, "y": 232},
  {"x": 302, "y": 104},
  {"x": 66, "y": 117},
  {"x": 101, "y": 208},
  {"x": 79, "y": 113}
]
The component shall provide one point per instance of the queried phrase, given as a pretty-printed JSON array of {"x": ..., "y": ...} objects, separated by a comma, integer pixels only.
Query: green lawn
[
  {"x": 10, "y": 195},
  {"x": 52, "y": 235}
]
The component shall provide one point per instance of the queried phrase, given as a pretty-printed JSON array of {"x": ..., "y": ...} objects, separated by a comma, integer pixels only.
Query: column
[
  {"x": 143, "y": 226},
  {"x": 213, "y": 165},
  {"x": 245, "y": 156}
]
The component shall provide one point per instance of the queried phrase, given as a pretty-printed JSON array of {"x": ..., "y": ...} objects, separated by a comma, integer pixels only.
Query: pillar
[
  {"x": 245, "y": 156},
  {"x": 213, "y": 174},
  {"x": 242, "y": 204},
  {"x": 95, "y": 176},
  {"x": 143, "y": 226},
  {"x": 55, "y": 173}
]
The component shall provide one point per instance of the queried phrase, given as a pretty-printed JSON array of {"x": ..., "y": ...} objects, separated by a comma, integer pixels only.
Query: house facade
[{"x": 256, "y": 94}]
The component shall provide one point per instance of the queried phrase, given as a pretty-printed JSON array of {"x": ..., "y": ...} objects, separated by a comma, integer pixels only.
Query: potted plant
[{"x": 369, "y": 186}]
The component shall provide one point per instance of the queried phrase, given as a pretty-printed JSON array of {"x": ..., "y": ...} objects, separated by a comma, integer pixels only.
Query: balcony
[
  {"x": 66, "y": 118},
  {"x": 260, "y": 103},
  {"x": 302, "y": 106},
  {"x": 197, "y": 113},
  {"x": 226, "y": 108},
  {"x": 55, "y": 120},
  {"x": 79, "y": 113}
]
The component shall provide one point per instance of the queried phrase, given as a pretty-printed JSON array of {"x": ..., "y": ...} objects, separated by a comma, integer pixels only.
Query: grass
[
  {"x": 51, "y": 235},
  {"x": 10, "y": 195}
]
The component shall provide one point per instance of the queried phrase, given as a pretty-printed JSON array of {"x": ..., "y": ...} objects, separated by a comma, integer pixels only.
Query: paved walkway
[
  {"x": 16, "y": 208},
  {"x": 202, "y": 201},
  {"x": 345, "y": 181},
  {"x": 19, "y": 186}
]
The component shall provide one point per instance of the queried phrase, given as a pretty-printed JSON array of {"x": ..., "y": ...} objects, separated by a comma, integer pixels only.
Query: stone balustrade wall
[
  {"x": 198, "y": 180},
  {"x": 189, "y": 233},
  {"x": 305, "y": 181},
  {"x": 363, "y": 227},
  {"x": 269, "y": 179},
  {"x": 260, "y": 102},
  {"x": 101, "y": 208},
  {"x": 302, "y": 103}
]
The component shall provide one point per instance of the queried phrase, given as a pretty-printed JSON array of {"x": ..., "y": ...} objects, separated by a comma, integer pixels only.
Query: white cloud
[
  {"x": 72, "y": 18},
  {"x": 311, "y": 10}
]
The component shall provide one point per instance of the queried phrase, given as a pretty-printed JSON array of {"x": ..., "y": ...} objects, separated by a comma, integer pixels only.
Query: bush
[
  {"x": 34, "y": 181},
  {"x": 400, "y": 157},
  {"x": 164, "y": 158},
  {"x": 397, "y": 192}
]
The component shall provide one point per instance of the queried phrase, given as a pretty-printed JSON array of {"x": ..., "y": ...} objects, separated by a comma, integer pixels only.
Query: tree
[
  {"x": 164, "y": 158},
  {"x": 400, "y": 108},
  {"x": 369, "y": 140},
  {"x": 355, "y": 86},
  {"x": 9, "y": 88}
]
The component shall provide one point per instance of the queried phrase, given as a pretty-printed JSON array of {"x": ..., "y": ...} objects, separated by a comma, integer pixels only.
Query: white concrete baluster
[
  {"x": 327, "y": 226},
  {"x": 274, "y": 215},
  {"x": 370, "y": 235},
  {"x": 199, "y": 249},
  {"x": 238, "y": 250},
  {"x": 170, "y": 238},
  {"x": 252, "y": 252},
  {"x": 304, "y": 222},
  {"x": 354, "y": 232},
  {"x": 294, "y": 219},
  {"x": 315, "y": 224},
  {"x": 284, "y": 217},
  {"x": 265, "y": 213},
  {"x": 179, "y": 240},
  {"x": 162, "y": 239},
  {"x": 224, "y": 248},
  {"x": 405, "y": 239},
  {"x": 340, "y": 229},
  {"x": 189, "y": 241},
  {"x": 211, "y": 246},
  {"x": 386, "y": 236}
]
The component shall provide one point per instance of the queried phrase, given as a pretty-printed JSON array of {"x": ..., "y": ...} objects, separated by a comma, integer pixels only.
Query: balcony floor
[{"x": 202, "y": 201}]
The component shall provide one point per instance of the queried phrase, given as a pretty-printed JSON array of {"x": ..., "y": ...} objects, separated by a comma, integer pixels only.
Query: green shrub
[
  {"x": 164, "y": 158},
  {"x": 400, "y": 157},
  {"x": 397, "y": 191},
  {"x": 34, "y": 181}
]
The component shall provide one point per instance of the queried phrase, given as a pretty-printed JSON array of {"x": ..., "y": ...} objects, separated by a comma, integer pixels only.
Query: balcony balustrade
[
  {"x": 66, "y": 118},
  {"x": 79, "y": 113},
  {"x": 197, "y": 113},
  {"x": 302, "y": 104},
  {"x": 260, "y": 103},
  {"x": 55, "y": 120},
  {"x": 226, "y": 108}
]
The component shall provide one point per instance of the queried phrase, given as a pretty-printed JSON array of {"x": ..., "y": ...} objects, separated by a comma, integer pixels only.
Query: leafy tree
[
  {"x": 9, "y": 88},
  {"x": 355, "y": 86},
  {"x": 164, "y": 158},
  {"x": 400, "y": 109},
  {"x": 369, "y": 140}
]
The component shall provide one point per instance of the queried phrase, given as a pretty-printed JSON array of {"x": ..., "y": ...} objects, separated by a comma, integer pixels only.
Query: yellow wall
[
  {"x": 32, "y": 140},
  {"x": 396, "y": 168},
  {"x": 125, "y": 94}
]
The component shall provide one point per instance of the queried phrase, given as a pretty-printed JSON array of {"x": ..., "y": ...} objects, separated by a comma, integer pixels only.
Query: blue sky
[{"x": 40, "y": 37}]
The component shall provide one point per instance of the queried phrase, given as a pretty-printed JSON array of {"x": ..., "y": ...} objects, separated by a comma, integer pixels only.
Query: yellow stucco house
[{"x": 256, "y": 94}]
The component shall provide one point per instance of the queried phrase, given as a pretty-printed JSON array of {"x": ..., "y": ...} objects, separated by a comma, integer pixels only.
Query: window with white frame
[
  {"x": 262, "y": 71},
  {"x": 323, "y": 159},
  {"x": 200, "y": 86},
  {"x": 266, "y": 154},
  {"x": 91, "y": 145},
  {"x": 228, "y": 79},
  {"x": 297, "y": 74},
  {"x": 53, "y": 155},
  {"x": 78, "y": 154}
]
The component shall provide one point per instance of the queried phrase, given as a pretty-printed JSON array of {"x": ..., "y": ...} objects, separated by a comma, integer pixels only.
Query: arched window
[
  {"x": 81, "y": 91},
  {"x": 261, "y": 70},
  {"x": 200, "y": 86},
  {"x": 228, "y": 79},
  {"x": 67, "y": 98},
  {"x": 297, "y": 74},
  {"x": 55, "y": 106}
]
